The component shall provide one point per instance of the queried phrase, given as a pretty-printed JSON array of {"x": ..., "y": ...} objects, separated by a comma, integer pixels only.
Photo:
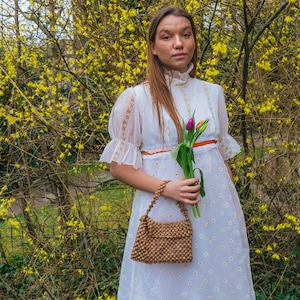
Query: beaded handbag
[{"x": 163, "y": 242}]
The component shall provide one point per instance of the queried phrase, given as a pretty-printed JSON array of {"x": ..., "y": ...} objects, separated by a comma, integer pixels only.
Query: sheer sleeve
[
  {"x": 228, "y": 146},
  {"x": 125, "y": 132}
]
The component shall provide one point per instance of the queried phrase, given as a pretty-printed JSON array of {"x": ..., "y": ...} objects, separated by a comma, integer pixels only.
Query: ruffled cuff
[
  {"x": 122, "y": 152},
  {"x": 228, "y": 147}
]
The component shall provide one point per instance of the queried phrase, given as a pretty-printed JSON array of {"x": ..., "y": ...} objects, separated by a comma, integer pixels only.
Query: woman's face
[{"x": 174, "y": 43}]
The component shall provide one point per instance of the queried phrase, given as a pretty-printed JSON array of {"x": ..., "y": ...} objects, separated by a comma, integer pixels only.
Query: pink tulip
[
  {"x": 199, "y": 124},
  {"x": 190, "y": 124}
]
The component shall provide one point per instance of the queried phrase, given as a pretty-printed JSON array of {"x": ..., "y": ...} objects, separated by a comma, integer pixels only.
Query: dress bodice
[{"x": 134, "y": 126}]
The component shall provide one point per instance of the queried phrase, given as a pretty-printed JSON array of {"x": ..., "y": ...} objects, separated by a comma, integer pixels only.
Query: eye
[
  {"x": 186, "y": 35},
  {"x": 166, "y": 37}
]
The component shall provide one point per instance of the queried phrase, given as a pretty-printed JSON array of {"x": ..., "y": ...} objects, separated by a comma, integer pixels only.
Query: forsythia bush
[{"x": 61, "y": 69}]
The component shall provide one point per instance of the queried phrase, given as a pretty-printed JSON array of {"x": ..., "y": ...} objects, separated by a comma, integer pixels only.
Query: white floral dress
[{"x": 220, "y": 268}]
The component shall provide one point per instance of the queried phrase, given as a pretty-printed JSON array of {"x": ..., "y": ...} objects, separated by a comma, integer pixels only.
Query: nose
[{"x": 178, "y": 42}]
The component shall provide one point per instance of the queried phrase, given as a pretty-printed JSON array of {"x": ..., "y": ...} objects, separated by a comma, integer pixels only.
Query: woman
[{"x": 145, "y": 125}]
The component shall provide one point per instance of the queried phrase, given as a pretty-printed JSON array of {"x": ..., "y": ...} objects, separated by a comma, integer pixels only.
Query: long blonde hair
[{"x": 159, "y": 89}]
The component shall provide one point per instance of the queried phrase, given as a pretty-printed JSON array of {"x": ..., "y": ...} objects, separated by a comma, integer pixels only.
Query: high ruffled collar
[{"x": 178, "y": 78}]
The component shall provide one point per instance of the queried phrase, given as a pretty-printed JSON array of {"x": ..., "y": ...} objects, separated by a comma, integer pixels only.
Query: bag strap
[{"x": 158, "y": 193}]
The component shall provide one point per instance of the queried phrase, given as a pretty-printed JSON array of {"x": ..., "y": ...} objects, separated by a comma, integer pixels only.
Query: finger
[
  {"x": 194, "y": 188},
  {"x": 189, "y": 181},
  {"x": 186, "y": 191},
  {"x": 192, "y": 181},
  {"x": 191, "y": 188},
  {"x": 188, "y": 201},
  {"x": 189, "y": 195}
]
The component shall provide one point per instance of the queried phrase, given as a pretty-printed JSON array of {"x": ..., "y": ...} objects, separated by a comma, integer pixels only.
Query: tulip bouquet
[{"x": 184, "y": 154}]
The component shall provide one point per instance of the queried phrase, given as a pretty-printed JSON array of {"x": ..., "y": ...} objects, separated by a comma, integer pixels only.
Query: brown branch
[
  {"x": 267, "y": 24},
  {"x": 209, "y": 31}
]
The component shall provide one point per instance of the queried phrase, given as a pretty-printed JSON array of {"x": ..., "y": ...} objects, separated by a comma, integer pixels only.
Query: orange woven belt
[
  {"x": 198, "y": 144},
  {"x": 203, "y": 143}
]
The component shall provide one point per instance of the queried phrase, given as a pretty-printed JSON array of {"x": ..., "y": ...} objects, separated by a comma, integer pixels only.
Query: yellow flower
[
  {"x": 276, "y": 256},
  {"x": 219, "y": 48},
  {"x": 249, "y": 159},
  {"x": 14, "y": 223},
  {"x": 79, "y": 146},
  {"x": 80, "y": 271},
  {"x": 106, "y": 207},
  {"x": 271, "y": 150},
  {"x": 264, "y": 208},
  {"x": 250, "y": 174},
  {"x": 288, "y": 19},
  {"x": 255, "y": 220},
  {"x": 130, "y": 27},
  {"x": 268, "y": 228},
  {"x": 265, "y": 65},
  {"x": 269, "y": 248}
]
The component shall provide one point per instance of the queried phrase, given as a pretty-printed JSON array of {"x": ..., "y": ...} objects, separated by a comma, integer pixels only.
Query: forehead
[{"x": 170, "y": 23}]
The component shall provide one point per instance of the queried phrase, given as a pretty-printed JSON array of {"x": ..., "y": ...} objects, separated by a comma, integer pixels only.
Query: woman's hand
[{"x": 183, "y": 190}]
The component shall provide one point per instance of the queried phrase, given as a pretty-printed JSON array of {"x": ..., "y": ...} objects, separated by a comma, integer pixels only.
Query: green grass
[
  {"x": 105, "y": 209},
  {"x": 86, "y": 266}
]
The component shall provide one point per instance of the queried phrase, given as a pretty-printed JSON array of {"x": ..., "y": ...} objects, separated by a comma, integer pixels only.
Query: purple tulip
[{"x": 190, "y": 124}]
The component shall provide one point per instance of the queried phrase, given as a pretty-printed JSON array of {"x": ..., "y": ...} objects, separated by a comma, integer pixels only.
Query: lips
[{"x": 179, "y": 55}]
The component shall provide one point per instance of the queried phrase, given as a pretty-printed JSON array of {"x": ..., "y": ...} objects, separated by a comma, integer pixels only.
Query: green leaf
[
  {"x": 183, "y": 131},
  {"x": 202, "y": 190}
]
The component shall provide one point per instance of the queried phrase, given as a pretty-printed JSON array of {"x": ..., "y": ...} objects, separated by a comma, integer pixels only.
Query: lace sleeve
[
  {"x": 125, "y": 132},
  {"x": 227, "y": 144}
]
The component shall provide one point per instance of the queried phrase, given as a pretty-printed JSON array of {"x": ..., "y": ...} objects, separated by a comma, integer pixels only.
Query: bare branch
[{"x": 268, "y": 23}]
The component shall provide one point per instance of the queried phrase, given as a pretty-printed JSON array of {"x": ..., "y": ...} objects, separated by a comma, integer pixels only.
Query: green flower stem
[
  {"x": 184, "y": 154},
  {"x": 187, "y": 166}
]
